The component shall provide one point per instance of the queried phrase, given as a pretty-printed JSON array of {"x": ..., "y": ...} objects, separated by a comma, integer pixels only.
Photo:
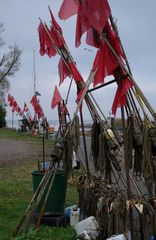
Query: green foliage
[{"x": 2, "y": 117}]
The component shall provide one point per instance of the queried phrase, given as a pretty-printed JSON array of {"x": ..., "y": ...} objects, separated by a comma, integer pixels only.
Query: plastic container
[
  {"x": 45, "y": 164},
  {"x": 56, "y": 198},
  {"x": 75, "y": 217},
  {"x": 73, "y": 214},
  {"x": 117, "y": 237},
  {"x": 90, "y": 225}
]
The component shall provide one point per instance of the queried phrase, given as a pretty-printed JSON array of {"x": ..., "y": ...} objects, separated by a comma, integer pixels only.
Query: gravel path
[{"x": 12, "y": 150}]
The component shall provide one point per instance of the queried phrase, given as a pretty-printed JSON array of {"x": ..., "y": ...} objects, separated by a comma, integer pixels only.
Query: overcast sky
[{"x": 136, "y": 20}]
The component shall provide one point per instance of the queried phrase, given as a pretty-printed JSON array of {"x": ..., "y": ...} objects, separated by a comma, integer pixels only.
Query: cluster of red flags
[
  {"x": 48, "y": 35},
  {"x": 37, "y": 107},
  {"x": 14, "y": 105},
  {"x": 92, "y": 18},
  {"x": 17, "y": 109},
  {"x": 90, "y": 14}
]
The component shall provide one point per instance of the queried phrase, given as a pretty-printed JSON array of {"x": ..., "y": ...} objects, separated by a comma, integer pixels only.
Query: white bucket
[
  {"x": 117, "y": 237},
  {"x": 90, "y": 225},
  {"x": 73, "y": 213}
]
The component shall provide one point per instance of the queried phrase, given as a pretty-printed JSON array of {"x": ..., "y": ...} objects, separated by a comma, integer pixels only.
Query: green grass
[
  {"x": 14, "y": 134},
  {"x": 15, "y": 193}
]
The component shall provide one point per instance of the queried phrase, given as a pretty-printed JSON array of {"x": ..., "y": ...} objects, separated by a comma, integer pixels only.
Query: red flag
[
  {"x": 105, "y": 62},
  {"x": 50, "y": 50},
  {"x": 55, "y": 24},
  {"x": 56, "y": 98},
  {"x": 57, "y": 38},
  {"x": 63, "y": 71},
  {"x": 97, "y": 12},
  {"x": 93, "y": 38},
  {"x": 76, "y": 75},
  {"x": 10, "y": 100},
  {"x": 39, "y": 111},
  {"x": 82, "y": 25},
  {"x": 25, "y": 108},
  {"x": 90, "y": 13},
  {"x": 114, "y": 40},
  {"x": 56, "y": 31},
  {"x": 46, "y": 45},
  {"x": 37, "y": 108},
  {"x": 79, "y": 96},
  {"x": 120, "y": 96},
  {"x": 33, "y": 101},
  {"x": 14, "y": 105},
  {"x": 42, "y": 38},
  {"x": 68, "y": 8}
]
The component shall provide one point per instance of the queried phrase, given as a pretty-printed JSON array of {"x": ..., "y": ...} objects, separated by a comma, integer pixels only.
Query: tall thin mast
[{"x": 34, "y": 71}]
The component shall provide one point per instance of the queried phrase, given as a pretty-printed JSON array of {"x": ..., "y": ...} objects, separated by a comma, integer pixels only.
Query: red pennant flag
[
  {"x": 76, "y": 75},
  {"x": 114, "y": 40},
  {"x": 46, "y": 45},
  {"x": 25, "y": 108},
  {"x": 42, "y": 38},
  {"x": 79, "y": 96},
  {"x": 12, "y": 100},
  {"x": 37, "y": 108},
  {"x": 14, "y": 105},
  {"x": 50, "y": 50},
  {"x": 105, "y": 62},
  {"x": 68, "y": 9},
  {"x": 39, "y": 111},
  {"x": 33, "y": 101},
  {"x": 97, "y": 12},
  {"x": 56, "y": 31},
  {"x": 120, "y": 97},
  {"x": 82, "y": 25},
  {"x": 55, "y": 24},
  {"x": 56, "y": 98},
  {"x": 63, "y": 71},
  {"x": 93, "y": 38}
]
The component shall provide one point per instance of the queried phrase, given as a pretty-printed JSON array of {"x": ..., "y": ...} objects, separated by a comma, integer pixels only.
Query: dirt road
[{"x": 12, "y": 150}]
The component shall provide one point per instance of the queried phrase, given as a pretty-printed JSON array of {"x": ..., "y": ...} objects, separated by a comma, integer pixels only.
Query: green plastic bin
[{"x": 57, "y": 195}]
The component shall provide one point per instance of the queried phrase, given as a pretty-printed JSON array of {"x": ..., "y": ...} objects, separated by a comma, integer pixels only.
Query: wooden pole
[
  {"x": 45, "y": 201},
  {"x": 85, "y": 146},
  {"x": 43, "y": 145},
  {"x": 127, "y": 173},
  {"x": 29, "y": 206},
  {"x": 37, "y": 201}
]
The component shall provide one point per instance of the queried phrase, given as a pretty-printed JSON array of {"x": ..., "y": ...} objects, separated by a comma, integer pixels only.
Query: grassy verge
[{"x": 15, "y": 193}]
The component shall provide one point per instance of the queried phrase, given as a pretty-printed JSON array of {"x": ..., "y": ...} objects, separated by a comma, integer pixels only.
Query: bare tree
[{"x": 9, "y": 63}]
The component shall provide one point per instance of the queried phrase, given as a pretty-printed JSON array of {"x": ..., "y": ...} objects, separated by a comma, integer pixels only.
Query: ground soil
[{"x": 13, "y": 151}]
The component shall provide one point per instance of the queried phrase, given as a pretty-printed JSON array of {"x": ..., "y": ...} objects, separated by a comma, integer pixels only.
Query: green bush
[{"x": 2, "y": 117}]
